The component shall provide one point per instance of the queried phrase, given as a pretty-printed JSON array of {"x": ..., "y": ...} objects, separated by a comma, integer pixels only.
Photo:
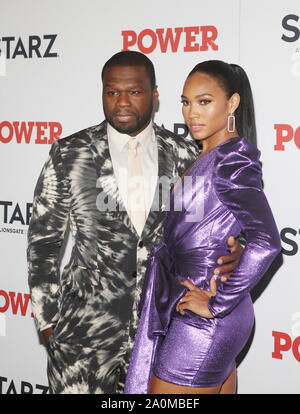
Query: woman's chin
[{"x": 197, "y": 135}]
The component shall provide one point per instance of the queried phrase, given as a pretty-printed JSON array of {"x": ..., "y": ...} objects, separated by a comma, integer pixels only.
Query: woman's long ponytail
[{"x": 245, "y": 114}]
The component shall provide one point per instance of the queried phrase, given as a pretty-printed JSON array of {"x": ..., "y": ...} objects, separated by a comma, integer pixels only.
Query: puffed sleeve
[
  {"x": 45, "y": 237},
  {"x": 238, "y": 185}
]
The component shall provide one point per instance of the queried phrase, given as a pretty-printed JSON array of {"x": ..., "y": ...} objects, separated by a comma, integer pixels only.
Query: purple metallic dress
[{"x": 221, "y": 195}]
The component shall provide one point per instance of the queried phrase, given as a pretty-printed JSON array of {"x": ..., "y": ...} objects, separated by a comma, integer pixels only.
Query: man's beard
[{"x": 133, "y": 128}]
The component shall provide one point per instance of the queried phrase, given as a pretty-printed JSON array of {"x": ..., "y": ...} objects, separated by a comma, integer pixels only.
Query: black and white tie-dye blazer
[{"x": 92, "y": 300}]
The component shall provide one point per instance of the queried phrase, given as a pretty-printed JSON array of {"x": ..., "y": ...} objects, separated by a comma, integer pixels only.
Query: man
[{"x": 88, "y": 314}]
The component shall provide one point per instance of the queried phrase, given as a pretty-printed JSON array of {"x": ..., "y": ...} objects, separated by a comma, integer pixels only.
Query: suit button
[
  {"x": 141, "y": 244},
  {"x": 134, "y": 274}
]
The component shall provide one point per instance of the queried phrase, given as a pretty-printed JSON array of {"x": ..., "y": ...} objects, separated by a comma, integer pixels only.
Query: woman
[{"x": 192, "y": 328}]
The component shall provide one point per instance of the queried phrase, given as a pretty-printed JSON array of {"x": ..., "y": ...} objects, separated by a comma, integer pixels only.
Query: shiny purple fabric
[{"x": 227, "y": 199}]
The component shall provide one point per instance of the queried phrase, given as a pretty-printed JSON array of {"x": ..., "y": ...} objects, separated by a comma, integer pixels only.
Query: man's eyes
[
  {"x": 112, "y": 93},
  {"x": 116, "y": 93}
]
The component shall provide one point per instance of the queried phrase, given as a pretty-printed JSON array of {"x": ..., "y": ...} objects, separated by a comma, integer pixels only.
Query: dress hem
[{"x": 174, "y": 380}]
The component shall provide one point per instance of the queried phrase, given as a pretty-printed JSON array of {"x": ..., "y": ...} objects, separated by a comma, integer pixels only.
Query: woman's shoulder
[
  {"x": 237, "y": 160},
  {"x": 238, "y": 147}
]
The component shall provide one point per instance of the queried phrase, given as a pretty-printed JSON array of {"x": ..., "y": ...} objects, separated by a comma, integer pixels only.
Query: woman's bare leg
[{"x": 229, "y": 386}]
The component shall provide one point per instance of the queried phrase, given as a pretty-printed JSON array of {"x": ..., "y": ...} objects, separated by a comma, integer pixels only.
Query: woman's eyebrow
[{"x": 199, "y": 96}]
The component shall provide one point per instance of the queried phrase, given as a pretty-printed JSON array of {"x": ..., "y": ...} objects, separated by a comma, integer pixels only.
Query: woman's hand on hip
[{"x": 196, "y": 299}]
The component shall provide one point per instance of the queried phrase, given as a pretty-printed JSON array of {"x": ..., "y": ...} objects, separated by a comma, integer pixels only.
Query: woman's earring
[{"x": 231, "y": 123}]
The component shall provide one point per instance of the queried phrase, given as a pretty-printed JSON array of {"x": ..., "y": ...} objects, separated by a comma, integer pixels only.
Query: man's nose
[{"x": 123, "y": 99}]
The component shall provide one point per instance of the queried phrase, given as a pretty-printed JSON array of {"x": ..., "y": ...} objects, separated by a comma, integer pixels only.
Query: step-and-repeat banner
[{"x": 51, "y": 58}]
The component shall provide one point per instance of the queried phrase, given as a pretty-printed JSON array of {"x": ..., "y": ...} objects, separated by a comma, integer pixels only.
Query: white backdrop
[{"x": 53, "y": 88}]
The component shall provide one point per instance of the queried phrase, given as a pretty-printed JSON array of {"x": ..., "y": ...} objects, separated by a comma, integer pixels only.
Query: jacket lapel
[
  {"x": 109, "y": 198},
  {"x": 167, "y": 174}
]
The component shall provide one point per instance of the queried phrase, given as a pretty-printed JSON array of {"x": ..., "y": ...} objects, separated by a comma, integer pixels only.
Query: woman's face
[{"x": 206, "y": 108}]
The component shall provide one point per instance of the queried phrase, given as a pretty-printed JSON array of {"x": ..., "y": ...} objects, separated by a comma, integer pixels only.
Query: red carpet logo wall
[
  {"x": 29, "y": 47},
  {"x": 286, "y": 133},
  {"x": 291, "y": 24},
  {"x": 29, "y": 132},
  {"x": 283, "y": 342},
  {"x": 291, "y": 238},
  {"x": 9, "y": 386},
  {"x": 291, "y": 34},
  {"x": 50, "y": 80},
  {"x": 16, "y": 302},
  {"x": 189, "y": 39},
  {"x": 13, "y": 215}
]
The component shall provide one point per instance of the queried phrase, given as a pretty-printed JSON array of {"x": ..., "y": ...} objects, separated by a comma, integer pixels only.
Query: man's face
[{"x": 128, "y": 98}]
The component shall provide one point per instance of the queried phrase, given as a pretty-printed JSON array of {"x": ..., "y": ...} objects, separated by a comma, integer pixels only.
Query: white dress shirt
[{"x": 148, "y": 155}]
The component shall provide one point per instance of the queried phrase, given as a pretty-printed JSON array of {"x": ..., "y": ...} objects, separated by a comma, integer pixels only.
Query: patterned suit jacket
[{"x": 92, "y": 301}]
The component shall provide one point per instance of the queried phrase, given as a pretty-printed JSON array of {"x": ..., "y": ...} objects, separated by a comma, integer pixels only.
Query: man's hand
[
  {"x": 230, "y": 261},
  {"x": 46, "y": 334}
]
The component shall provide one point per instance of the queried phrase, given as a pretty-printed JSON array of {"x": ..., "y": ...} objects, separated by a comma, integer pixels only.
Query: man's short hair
[{"x": 132, "y": 58}]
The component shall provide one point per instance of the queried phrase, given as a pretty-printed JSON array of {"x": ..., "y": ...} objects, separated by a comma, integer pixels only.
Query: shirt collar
[{"x": 145, "y": 137}]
